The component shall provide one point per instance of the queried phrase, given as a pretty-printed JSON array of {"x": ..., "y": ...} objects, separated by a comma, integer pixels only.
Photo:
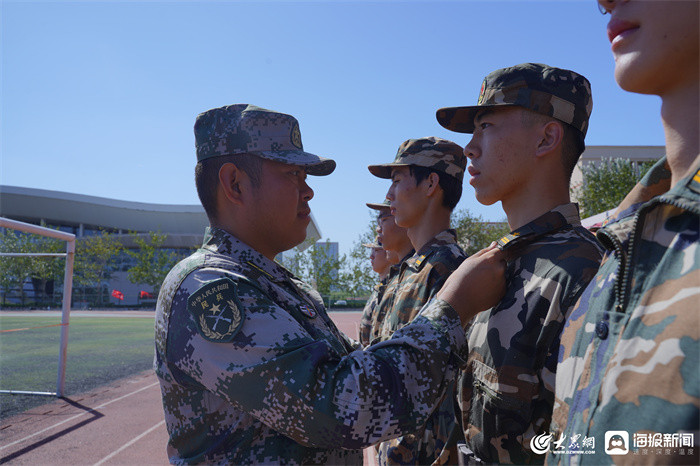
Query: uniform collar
[
  {"x": 654, "y": 187},
  {"x": 394, "y": 269},
  {"x": 251, "y": 261},
  {"x": 557, "y": 218},
  {"x": 445, "y": 237}
]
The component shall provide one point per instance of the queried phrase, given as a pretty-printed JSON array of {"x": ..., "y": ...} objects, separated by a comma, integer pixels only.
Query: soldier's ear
[
  {"x": 232, "y": 183},
  {"x": 433, "y": 183},
  {"x": 551, "y": 136}
]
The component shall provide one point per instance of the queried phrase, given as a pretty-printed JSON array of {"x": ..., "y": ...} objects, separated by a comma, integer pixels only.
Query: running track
[{"x": 118, "y": 424}]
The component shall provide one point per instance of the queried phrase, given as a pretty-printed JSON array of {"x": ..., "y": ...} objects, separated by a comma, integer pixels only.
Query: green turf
[{"x": 100, "y": 350}]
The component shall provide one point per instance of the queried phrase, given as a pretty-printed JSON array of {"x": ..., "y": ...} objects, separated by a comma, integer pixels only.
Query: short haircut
[
  {"x": 572, "y": 143},
  {"x": 451, "y": 186},
  {"x": 206, "y": 177}
]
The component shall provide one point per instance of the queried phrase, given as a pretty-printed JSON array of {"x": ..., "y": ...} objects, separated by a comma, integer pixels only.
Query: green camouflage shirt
[
  {"x": 252, "y": 369},
  {"x": 506, "y": 391},
  {"x": 368, "y": 311},
  {"x": 372, "y": 313},
  {"x": 628, "y": 381},
  {"x": 419, "y": 278}
]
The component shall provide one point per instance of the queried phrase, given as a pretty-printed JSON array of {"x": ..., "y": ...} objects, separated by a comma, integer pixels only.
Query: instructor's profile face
[{"x": 280, "y": 208}]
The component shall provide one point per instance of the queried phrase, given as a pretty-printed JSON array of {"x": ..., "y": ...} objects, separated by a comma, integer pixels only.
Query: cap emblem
[
  {"x": 296, "y": 136},
  {"x": 481, "y": 92}
]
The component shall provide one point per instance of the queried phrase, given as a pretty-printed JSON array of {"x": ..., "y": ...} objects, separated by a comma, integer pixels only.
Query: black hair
[
  {"x": 572, "y": 143},
  {"x": 206, "y": 177},
  {"x": 451, "y": 186}
]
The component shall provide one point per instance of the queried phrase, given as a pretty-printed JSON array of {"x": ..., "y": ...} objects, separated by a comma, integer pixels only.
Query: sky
[{"x": 100, "y": 98}]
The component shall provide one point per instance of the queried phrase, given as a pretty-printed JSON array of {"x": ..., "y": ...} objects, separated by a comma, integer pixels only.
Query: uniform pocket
[{"x": 500, "y": 411}]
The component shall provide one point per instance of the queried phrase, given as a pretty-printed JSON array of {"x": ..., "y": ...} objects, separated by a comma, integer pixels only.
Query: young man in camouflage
[
  {"x": 252, "y": 370},
  {"x": 528, "y": 133},
  {"x": 381, "y": 261},
  {"x": 629, "y": 353},
  {"x": 426, "y": 185},
  {"x": 394, "y": 240}
]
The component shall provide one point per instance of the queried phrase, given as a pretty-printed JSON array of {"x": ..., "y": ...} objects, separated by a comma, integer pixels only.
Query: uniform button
[{"x": 601, "y": 329}]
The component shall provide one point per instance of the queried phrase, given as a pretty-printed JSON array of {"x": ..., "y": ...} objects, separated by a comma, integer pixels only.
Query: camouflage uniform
[
  {"x": 276, "y": 382},
  {"x": 368, "y": 313},
  {"x": 418, "y": 279},
  {"x": 252, "y": 370},
  {"x": 506, "y": 392},
  {"x": 629, "y": 352},
  {"x": 507, "y": 389},
  {"x": 370, "y": 324}
]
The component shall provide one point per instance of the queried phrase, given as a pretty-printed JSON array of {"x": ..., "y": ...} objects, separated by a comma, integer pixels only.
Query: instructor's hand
[{"x": 478, "y": 284}]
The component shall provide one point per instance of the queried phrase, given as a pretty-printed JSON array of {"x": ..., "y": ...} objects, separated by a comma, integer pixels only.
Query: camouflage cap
[
  {"x": 561, "y": 94},
  {"x": 246, "y": 129},
  {"x": 431, "y": 152},
  {"x": 384, "y": 205},
  {"x": 374, "y": 245}
]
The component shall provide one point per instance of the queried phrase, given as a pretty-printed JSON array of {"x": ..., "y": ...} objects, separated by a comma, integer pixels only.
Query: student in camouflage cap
[
  {"x": 528, "y": 133},
  {"x": 395, "y": 242},
  {"x": 382, "y": 261},
  {"x": 426, "y": 185},
  {"x": 252, "y": 369},
  {"x": 628, "y": 360}
]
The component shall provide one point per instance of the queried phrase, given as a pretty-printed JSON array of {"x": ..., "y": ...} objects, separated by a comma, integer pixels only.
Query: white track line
[
  {"x": 128, "y": 444},
  {"x": 77, "y": 416}
]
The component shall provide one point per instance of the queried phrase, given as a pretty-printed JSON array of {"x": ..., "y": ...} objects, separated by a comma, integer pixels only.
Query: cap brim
[
  {"x": 461, "y": 119},
  {"x": 313, "y": 164},
  {"x": 375, "y": 206},
  {"x": 384, "y": 170}
]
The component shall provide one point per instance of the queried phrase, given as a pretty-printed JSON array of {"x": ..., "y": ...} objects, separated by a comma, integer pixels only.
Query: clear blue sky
[{"x": 100, "y": 98}]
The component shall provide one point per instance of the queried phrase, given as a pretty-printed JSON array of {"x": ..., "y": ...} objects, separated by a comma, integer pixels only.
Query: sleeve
[
  {"x": 275, "y": 371},
  {"x": 367, "y": 317}
]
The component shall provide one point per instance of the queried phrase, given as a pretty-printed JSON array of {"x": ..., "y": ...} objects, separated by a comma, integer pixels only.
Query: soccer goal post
[{"x": 67, "y": 291}]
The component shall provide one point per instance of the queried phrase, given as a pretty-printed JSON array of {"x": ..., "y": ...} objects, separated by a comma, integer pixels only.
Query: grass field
[{"x": 100, "y": 350}]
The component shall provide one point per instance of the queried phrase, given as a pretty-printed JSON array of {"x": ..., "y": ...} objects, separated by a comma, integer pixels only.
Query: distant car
[{"x": 340, "y": 302}]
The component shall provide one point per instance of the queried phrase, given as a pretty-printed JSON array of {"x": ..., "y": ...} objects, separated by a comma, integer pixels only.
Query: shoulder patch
[
  {"x": 694, "y": 182},
  {"x": 216, "y": 310},
  {"x": 507, "y": 239}
]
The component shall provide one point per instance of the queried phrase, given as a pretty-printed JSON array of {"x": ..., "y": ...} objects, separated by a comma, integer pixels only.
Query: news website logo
[
  {"x": 617, "y": 442},
  {"x": 540, "y": 443}
]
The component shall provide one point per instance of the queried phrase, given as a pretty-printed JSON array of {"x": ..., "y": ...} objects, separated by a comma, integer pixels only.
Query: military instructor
[{"x": 251, "y": 368}]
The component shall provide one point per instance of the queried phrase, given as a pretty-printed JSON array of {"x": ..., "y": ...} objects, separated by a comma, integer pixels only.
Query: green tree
[
  {"x": 325, "y": 269},
  {"x": 360, "y": 278},
  {"x": 473, "y": 234},
  {"x": 14, "y": 271},
  {"x": 94, "y": 259},
  {"x": 46, "y": 272},
  {"x": 606, "y": 183},
  {"x": 317, "y": 266},
  {"x": 152, "y": 262}
]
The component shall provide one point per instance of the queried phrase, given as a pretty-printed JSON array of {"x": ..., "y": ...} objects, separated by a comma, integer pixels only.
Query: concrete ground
[{"x": 118, "y": 424}]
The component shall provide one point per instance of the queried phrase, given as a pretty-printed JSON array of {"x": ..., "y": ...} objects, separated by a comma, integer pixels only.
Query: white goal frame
[{"x": 69, "y": 238}]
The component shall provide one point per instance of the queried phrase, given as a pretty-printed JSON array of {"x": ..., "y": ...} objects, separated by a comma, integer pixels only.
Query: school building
[{"x": 84, "y": 216}]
